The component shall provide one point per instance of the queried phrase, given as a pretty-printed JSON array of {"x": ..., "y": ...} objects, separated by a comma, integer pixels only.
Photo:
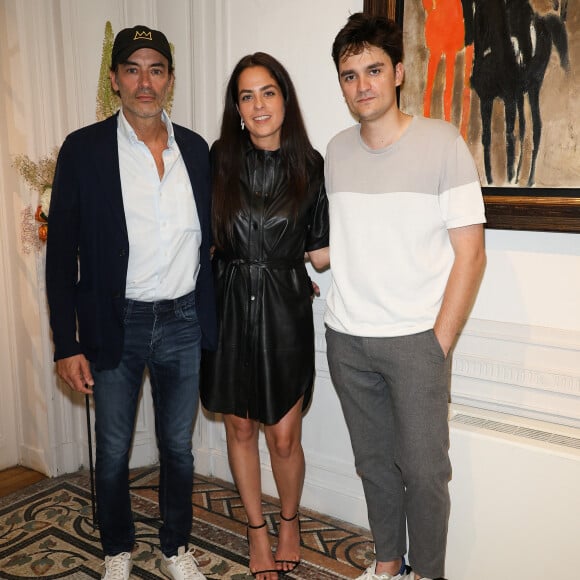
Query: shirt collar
[{"x": 130, "y": 134}]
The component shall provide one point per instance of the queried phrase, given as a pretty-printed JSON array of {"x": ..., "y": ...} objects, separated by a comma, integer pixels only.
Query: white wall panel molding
[
  {"x": 516, "y": 375},
  {"x": 177, "y": 23},
  {"x": 206, "y": 39},
  {"x": 524, "y": 370},
  {"x": 41, "y": 52},
  {"x": 143, "y": 11},
  {"x": 209, "y": 65},
  {"x": 68, "y": 104}
]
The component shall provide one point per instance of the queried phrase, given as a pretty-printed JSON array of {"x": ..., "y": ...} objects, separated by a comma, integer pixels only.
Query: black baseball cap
[{"x": 129, "y": 40}]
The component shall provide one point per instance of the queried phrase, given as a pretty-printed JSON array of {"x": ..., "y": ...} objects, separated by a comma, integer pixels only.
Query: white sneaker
[
  {"x": 369, "y": 574},
  {"x": 118, "y": 567},
  {"x": 181, "y": 567}
]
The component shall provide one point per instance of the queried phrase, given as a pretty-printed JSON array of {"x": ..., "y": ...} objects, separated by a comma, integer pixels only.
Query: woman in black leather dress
[{"x": 269, "y": 208}]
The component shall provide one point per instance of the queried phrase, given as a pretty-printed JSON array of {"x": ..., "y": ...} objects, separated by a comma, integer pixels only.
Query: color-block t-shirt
[{"x": 390, "y": 210}]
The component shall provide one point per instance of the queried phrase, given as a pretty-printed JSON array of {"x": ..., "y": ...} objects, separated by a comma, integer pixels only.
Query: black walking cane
[{"x": 91, "y": 468}]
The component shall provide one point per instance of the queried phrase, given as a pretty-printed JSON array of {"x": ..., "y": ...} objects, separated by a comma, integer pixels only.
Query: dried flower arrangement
[{"x": 38, "y": 175}]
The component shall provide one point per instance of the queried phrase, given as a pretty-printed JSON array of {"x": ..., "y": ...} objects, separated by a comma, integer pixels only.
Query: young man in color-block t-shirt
[{"x": 407, "y": 256}]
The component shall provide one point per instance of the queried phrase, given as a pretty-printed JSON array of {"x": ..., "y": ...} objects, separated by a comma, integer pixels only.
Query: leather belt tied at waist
[{"x": 271, "y": 264}]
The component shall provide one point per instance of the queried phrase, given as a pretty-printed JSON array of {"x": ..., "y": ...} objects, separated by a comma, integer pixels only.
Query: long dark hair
[{"x": 296, "y": 151}]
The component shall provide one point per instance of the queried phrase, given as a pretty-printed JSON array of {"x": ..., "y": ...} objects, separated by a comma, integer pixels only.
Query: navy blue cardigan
[{"x": 88, "y": 246}]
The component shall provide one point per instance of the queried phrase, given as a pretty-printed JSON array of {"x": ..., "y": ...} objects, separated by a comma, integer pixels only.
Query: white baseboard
[{"x": 35, "y": 458}]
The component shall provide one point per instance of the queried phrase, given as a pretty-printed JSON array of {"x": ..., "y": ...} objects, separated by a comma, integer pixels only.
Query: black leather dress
[{"x": 265, "y": 357}]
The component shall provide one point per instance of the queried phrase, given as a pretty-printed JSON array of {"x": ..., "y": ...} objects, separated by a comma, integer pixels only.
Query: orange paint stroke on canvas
[{"x": 445, "y": 38}]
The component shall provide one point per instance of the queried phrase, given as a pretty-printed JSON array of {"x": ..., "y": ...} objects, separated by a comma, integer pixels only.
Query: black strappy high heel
[
  {"x": 293, "y": 563},
  {"x": 250, "y": 527}
]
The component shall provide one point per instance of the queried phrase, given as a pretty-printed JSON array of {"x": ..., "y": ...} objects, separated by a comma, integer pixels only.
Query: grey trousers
[{"x": 394, "y": 393}]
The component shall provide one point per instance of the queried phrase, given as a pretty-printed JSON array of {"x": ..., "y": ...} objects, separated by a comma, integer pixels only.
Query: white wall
[
  {"x": 519, "y": 355},
  {"x": 532, "y": 278}
]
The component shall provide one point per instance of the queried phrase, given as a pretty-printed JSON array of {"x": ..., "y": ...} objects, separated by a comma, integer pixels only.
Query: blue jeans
[
  {"x": 394, "y": 393},
  {"x": 165, "y": 338}
]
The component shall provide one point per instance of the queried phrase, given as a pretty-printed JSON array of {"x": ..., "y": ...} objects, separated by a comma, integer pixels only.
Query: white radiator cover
[{"x": 515, "y": 500}]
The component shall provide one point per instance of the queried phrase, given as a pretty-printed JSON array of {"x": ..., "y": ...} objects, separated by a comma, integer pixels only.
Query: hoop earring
[{"x": 242, "y": 125}]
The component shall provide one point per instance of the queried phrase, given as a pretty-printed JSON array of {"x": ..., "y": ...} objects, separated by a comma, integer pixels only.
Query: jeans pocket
[{"x": 187, "y": 312}]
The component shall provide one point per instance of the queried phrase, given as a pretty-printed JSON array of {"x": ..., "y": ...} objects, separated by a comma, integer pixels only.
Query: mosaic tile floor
[{"x": 46, "y": 531}]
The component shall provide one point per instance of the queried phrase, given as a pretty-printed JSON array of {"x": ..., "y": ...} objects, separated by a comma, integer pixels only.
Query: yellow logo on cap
[{"x": 142, "y": 35}]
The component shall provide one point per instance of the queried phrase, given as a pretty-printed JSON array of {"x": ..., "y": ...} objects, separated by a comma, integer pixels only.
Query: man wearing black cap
[{"x": 129, "y": 288}]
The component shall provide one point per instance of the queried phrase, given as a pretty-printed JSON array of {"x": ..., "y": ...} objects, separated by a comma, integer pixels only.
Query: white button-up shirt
[{"x": 162, "y": 220}]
